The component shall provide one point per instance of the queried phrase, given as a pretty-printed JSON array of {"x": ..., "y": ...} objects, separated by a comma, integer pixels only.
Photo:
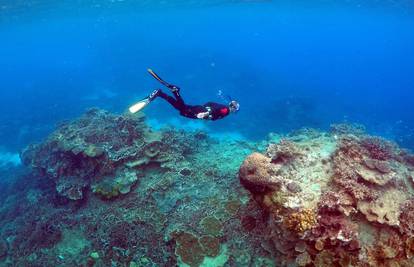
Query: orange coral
[{"x": 301, "y": 221}]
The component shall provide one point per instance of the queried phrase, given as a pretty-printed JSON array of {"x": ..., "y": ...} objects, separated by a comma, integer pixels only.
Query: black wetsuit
[{"x": 216, "y": 111}]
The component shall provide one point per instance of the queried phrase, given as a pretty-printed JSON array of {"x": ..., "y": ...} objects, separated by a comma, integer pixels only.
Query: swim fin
[
  {"x": 172, "y": 87},
  {"x": 158, "y": 78},
  {"x": 144, "y": 102},
  {"x": 139, "y": 105}
]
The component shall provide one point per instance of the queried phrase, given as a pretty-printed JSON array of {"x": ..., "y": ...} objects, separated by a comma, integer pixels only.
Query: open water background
[{"x": 291, "y": 64}]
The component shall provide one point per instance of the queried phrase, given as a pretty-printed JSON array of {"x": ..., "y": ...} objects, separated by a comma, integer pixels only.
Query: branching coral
[{"x": 378, "y": 148}]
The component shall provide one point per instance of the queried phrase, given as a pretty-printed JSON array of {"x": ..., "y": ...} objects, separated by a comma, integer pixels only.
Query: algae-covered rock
[{"x": 325, "y": 192}]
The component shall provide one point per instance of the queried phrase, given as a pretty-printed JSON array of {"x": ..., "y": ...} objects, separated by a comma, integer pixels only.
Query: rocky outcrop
[{"x": 338, "y": 199}]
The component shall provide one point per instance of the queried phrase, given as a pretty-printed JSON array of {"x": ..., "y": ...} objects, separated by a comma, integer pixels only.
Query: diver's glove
[{"x": 203, "y": 115}]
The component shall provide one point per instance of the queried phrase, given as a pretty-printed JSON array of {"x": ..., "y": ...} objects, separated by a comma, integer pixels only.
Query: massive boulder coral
[
  {"x": 337, "y": 199},
  {"x": 103, "y": 153}
]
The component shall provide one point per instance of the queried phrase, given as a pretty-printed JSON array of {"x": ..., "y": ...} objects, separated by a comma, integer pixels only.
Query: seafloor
[{"x": 107, "y": 190}]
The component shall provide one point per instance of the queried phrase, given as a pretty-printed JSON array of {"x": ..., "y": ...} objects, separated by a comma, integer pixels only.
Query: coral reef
[
  {"x": 105, "y": 190},
  {"x": 338, "y": 199}
]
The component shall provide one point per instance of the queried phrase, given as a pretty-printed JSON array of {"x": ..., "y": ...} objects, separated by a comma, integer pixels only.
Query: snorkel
[{"x": 233, "y": 105}]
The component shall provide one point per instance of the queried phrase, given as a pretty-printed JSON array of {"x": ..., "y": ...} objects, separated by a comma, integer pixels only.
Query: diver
[{"x": 208, "y": 111}]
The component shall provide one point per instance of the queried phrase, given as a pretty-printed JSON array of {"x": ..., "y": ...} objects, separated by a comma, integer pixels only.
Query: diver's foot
[
  {"x": 174, "y": 88},
  {"x": 154, "y": 94}
]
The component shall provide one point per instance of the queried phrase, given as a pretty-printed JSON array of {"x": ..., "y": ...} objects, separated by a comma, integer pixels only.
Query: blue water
[{"x": 290, "y": 65}]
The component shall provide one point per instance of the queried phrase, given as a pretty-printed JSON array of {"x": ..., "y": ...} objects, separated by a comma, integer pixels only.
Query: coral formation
[
  {"x": 339, "y": 199},
  {"x": 100, "y": 144}
]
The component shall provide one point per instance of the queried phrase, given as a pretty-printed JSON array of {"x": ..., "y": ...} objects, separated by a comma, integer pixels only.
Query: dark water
[{"x": 290, "y": 64}]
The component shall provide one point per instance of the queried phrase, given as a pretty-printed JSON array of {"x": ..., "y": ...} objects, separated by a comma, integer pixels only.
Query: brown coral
[
  {"x": 211, "y": 245},
  {"x": 255, "y": 173},
  {"x": 192, "y": 249},
  {"x": 188, "y": 248}
]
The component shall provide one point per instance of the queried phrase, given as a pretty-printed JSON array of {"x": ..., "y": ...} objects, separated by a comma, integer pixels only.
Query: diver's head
[{"x": 234, "y": 106}]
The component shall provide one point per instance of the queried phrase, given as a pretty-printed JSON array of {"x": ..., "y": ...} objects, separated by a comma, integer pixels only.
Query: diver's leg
[
  {"x": 173, "y": 102},
  {"x": 178, "y": 97}
]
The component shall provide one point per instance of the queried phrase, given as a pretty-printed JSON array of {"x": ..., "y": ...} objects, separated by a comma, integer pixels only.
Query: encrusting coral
[{"x": 327, "y": 192}]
